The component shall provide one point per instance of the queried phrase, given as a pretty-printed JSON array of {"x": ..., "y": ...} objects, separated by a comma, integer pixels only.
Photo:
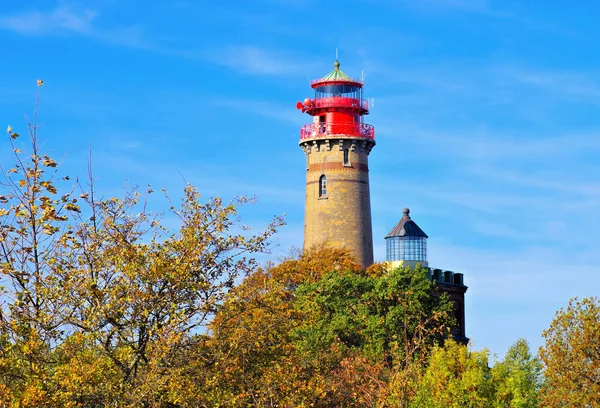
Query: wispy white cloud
[
  {"x": 260, "y": 61},
  {"x": 473, "y": 198},
  {"x": 506, "y": 285},
  {"x": 69, "y": 19},
  {"x": 467, "y": 6},
  {"x": 61, "y": 19},
  {"x": 270, "y": 110},
  {"x": 490, "y": 82},
  {"x": 66, "y": 19},
  {"x": 579, "y": 85},
  {"x": 557, "y": 180},
  {"x": 551, "y": 230}
]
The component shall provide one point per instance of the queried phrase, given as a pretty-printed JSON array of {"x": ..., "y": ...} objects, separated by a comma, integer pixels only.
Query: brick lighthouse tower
[{"x": 337, "y": 145}]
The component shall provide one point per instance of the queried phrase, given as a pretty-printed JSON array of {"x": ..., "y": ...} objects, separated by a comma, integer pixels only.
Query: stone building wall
[{"x": 342, "y": 217}]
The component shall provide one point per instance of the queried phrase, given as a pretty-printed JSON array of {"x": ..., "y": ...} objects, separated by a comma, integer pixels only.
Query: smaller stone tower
[
  {"x": 406, "y": 245},
  {"x": 337, "y": 144}
]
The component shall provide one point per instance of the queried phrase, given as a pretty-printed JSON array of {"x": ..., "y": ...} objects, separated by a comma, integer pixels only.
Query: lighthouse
[{"x": 337, "y": 144}]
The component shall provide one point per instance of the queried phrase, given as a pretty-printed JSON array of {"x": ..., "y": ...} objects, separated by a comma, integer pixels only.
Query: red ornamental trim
[
  {"x": 318, "y": 82},
  {"x": 327, "y": 129},
  {"x": 340, "y": 102}
]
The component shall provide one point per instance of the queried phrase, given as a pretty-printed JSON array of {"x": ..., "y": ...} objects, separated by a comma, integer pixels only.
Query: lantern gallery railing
[
  {"x": 326, "y": 129},
  {"x": 340, "y": 102},
  {"x": 343, "y": 81}
]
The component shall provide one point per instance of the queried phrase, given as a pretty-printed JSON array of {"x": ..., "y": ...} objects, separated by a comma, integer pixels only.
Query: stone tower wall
[{"x": 342, "y": 217}]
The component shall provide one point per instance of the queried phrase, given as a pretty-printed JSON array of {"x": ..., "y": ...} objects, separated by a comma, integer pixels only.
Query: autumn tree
[
  {"x": 456, "y": 377},
  {"x": 320, "y": 330},
  {"x": 517, "y": 378},
  {"x": 252, "y": 356},
  {"x": 102, "y": 302},
  {"x": 393, "y": 318},
  {"x": 571, "y": 356},
  {"x": 33, "y": 226}
]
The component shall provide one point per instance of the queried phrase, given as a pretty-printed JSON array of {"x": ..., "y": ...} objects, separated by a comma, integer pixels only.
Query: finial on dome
[
  {"x": 336, "y": 65},
  {"x": 405, "y": 211}
]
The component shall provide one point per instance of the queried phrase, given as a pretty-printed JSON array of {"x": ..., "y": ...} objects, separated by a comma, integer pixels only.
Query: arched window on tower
[
  {"x": 346, "y": 156},
  {"x": 323, "y": 186}
]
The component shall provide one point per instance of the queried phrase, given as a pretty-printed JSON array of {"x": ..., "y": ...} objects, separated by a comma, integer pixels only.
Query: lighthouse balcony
[
  {"x": 361, "y": 105},
  {"x": 328, "y": 129}
]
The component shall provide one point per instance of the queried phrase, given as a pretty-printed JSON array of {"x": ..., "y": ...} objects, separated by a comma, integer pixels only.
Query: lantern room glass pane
[
  {"x": 347, "y": 91},
  {"x": 406, "y": 249}
]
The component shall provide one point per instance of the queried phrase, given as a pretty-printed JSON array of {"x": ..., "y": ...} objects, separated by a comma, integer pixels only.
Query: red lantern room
[{"x": 337, "y": 108}]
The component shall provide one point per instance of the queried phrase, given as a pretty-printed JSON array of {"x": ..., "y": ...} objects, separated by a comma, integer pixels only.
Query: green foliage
[
  {"x": 374, "y": 314},
  {"x": 517, "y": 378},
  {"x": 321, "y": 331},
  {"x": 457, "y": 378}
]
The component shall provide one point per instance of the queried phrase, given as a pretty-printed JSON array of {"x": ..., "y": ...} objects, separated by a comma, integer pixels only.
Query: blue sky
[{"x": 487, "y": 121}]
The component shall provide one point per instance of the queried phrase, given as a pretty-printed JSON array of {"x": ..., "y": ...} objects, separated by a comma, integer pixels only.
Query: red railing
[
  {"x": 322, "y": 130},
  {"x": 320, "y": 81},
  {"x": 340, "y": 102}
]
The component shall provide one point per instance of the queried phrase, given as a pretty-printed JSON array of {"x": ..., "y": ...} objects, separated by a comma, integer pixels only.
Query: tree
[
  {"x": 456, "y": 378},
  {"x": 571, "y": 356},
  {"x": 390, "y": 319},
  {"x": 33, "y": 225},
  {"x": 252, "y": 358},
  {"x": 320, "y": 330},
  {"x": 371, "y": 313},
  {"x": 517, "y": 378},
  {"x": 103, "y": 305}
]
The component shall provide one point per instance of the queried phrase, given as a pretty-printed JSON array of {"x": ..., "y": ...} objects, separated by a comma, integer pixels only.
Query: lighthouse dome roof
[
  {"x": 337, "y": 75},
  {"x": 406, "y": 227}
]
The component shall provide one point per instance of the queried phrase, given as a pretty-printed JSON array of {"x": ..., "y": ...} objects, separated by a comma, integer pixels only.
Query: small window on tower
[
  {"x": 323, "y": 186},
  {"x": 346, "y": 156}
]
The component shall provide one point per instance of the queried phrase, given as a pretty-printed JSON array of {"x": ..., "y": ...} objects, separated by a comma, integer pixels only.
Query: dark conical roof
[{"x": 406, "y": 227}]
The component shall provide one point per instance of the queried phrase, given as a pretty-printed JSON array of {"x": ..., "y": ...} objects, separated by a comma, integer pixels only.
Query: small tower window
[
  {"x": 323, "y": 186},
  {"x": 346, "y": 158}
]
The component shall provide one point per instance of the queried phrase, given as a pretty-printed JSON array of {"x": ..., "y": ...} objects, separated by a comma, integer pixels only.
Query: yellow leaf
[
  {"x": 13, "y": 170},
  {"x": 40, "y": 82},
  {"x": 14, "y": 135},
  {"x": 49, "y": 162},
  {"x": 22, "y": 183},
  {"x": 9, "y": 129},
  {"x": 72, "y": 207}
]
